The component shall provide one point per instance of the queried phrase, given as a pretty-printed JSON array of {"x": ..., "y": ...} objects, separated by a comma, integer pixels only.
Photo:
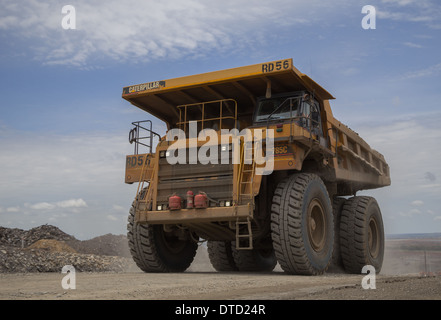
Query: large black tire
[
  {"x": 155, "y": 250},
  {"x": 361, "y": 234},
  {"x": 302, "y": 226},
  {"x": 337, "y": 208},
  {"x": 221, "y": 255},
  {"x": 258, "y": 259}
]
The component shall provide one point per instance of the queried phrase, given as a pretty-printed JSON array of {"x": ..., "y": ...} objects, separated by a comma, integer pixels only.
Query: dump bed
[{"x": 352, "y": 160}]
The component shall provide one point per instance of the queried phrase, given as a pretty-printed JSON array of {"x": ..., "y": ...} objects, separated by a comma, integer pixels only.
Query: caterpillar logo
[{"x": 144, "y": 87}]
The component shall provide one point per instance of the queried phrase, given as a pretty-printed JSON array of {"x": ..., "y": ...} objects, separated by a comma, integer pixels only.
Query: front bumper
[{"x": 185, "y": 216}]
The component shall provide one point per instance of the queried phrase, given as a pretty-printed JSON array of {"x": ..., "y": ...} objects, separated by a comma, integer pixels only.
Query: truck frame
[{"x": 202, "y": 181}]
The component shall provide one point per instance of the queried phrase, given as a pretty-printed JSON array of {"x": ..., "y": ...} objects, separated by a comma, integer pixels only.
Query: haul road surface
[{"x": 216, "y": 286}]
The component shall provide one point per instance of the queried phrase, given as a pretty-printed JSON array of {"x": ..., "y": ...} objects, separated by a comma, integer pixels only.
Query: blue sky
[{"x": 64, "y": 125}]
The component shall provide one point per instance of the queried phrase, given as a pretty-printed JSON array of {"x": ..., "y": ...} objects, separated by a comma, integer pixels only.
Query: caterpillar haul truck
[{"x": 205, "y": 181}]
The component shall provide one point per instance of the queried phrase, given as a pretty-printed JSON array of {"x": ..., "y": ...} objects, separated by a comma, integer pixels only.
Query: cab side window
[{"x": 310, "y": 117}]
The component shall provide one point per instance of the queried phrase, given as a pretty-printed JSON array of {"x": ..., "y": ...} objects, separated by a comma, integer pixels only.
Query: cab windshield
[{"x": 277, "y": 108}]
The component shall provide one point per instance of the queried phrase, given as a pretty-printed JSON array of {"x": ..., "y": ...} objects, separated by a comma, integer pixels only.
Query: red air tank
[
  {"x": 190, "y": 199},
  {"x": 174, "y": 202},
  {"x": 201, "y": 200}
]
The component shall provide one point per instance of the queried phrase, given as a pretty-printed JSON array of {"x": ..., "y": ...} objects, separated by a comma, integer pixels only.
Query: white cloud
[
  {"x": 56, "y": 217},
  {"x": 147, "y": 30},
  {"x": 120, "y": 208},
  {"x": 415, "y": 212},
  {"x": 71, "y": 203},
  {"x": 417, "y": 203},
  {"x": 42, "y": 206},
  {"x": 400, "y": 2},
  {"x": 430, "y": 186},
  {"x": 413, "y": 45},
  {"x": 53, "y": 174},
  {"x": 112, "y": 217},
  {"x": 426, "y": 72},
  {"x": 410, "y": 213},
  {"x": 411, "y": 11},
  {"x": 408, "y": 154},
  {"x": 54, "y": 166}
]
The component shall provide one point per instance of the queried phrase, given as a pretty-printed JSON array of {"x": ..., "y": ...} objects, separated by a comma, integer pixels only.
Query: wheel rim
[
  {"x": 316, "y": 225},
  {"x": 373, "y": 238}
]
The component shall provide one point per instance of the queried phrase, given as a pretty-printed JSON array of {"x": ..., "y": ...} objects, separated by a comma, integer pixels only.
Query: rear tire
[
  {"x": 361, "y": 234},
  {"x": 258, "y": 259},
  {"x": 221, "y": 255},
  {"x": 337, "y": 208},
  {"x": 302, "y": 226},
  {"x": 155, "y": 250}
]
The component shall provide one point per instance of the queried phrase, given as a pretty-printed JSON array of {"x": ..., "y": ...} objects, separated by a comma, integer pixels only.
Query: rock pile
[
  {"x": 52, "y": 245},
  {"x": 108, "y": 245},
  {"x": 47, "y": 249},
  {"x": 22, "y": 238}
]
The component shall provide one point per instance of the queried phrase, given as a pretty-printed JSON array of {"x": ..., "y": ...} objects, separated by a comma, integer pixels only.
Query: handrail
[
  {"x": 202, "y": 105},
  {"x": 136, "y": 136}
]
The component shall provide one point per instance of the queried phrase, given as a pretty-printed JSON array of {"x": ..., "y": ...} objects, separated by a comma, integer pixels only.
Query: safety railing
[
  {"x": 142, "y": 135},
  {"x": 211, "y": 114}
]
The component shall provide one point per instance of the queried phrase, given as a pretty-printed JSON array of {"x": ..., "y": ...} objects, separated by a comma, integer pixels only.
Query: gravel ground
[
  {"x": 215, "y": 286},
  {"x": 31, "y": 262}
]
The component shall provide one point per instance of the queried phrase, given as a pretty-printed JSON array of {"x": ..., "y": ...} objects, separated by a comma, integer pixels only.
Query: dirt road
[
  {"x": 399, "y": 279},
  {"x": 215, "y": 286}
]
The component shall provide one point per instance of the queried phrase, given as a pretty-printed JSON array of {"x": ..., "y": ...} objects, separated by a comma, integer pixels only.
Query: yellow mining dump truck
[{"x": 254, "y": 163}]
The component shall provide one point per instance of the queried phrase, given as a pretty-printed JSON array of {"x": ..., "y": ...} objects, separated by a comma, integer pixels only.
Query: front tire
[
  {"x": 302, "y": 226},
  {"x": 155, "y": 250}
]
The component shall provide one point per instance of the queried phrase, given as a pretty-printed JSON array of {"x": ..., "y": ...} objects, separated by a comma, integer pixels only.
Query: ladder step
[{"x": 248, "y": 235}]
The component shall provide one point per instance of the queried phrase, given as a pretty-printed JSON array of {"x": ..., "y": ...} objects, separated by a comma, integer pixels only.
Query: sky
[{"x": 64, "y": 126}]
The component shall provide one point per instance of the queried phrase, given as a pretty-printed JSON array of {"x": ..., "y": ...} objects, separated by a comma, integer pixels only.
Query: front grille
[{"x": 216, "y": 180}]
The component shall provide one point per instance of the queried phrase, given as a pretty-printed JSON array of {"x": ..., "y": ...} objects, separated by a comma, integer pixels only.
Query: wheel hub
[
  {"x": 373, "y": 238},
  {"x": 316, "y": 225}
]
